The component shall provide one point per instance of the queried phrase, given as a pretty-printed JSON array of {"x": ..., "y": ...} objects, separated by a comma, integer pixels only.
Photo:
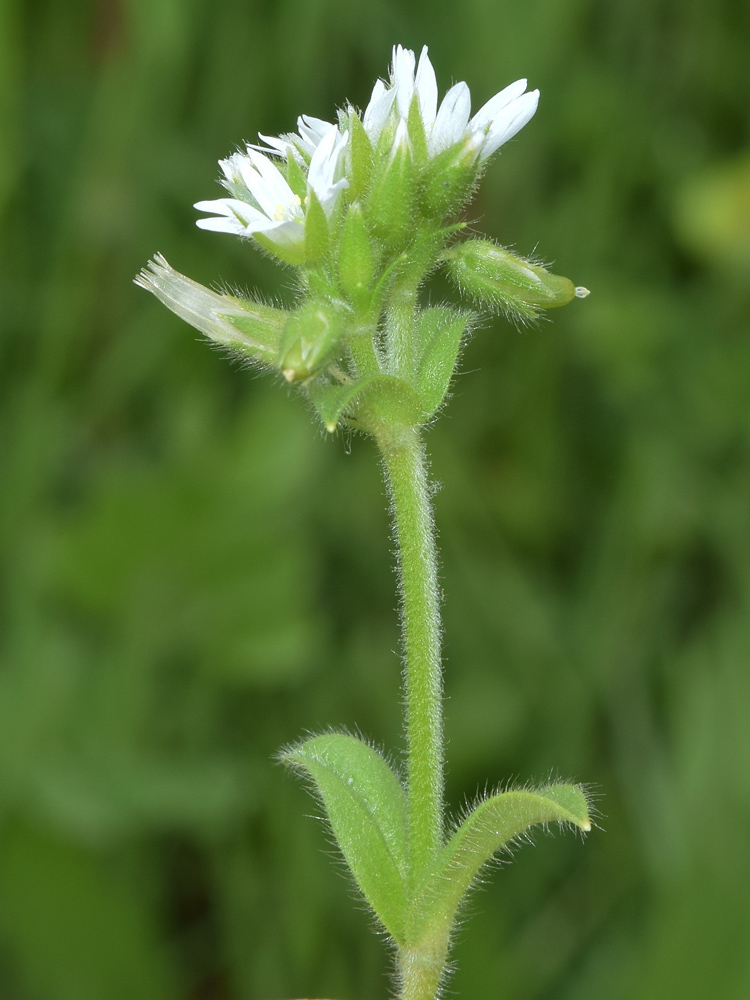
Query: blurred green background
[{"x": 192, "y": 576}]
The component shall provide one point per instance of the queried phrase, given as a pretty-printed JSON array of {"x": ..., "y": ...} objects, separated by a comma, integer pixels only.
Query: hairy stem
[
  {"x": 421, "y": 968},
  {"x": 406, "y": 475}
]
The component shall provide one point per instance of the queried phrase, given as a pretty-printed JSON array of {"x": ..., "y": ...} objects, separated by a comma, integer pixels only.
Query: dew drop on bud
[{"x": 582, "y": 292}]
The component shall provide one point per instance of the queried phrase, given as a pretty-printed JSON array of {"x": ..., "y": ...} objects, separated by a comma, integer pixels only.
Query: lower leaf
[
  {"x": 367, "y": 809},
  {"x": 494, "y": 823}
]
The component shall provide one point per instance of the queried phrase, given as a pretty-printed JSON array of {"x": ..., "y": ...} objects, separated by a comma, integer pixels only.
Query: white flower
[
  {"x": 266, "y": 203},
  {"x": 494, "y": 124}
]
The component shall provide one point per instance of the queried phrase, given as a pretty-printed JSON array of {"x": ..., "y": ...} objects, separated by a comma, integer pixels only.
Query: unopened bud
[
  {"x": 311, "y": 337},
  {"x": 499, "y": 279}
]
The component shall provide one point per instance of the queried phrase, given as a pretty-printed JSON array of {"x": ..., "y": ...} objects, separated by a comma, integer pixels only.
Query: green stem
[
  {"x": 406, "y": 474},
  {"x": 421, "y": 966}
]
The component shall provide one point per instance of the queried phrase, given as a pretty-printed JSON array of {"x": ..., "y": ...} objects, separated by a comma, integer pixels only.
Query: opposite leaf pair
[{"x": 368, "y": 810}]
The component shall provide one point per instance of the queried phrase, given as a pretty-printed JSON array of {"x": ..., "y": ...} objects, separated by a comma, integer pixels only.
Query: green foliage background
[{"x": 192, "y": 576}]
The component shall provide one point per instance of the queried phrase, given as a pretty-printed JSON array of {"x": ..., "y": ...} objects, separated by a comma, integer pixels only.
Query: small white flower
[
  {"x": 267, "y": 204},
  {"x": 494, "y": 124}
]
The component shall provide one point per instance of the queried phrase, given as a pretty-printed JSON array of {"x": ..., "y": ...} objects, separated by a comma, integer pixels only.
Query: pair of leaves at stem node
[
  {"x": 414, "y": 391},
  {"x": 367, "y": 807}
]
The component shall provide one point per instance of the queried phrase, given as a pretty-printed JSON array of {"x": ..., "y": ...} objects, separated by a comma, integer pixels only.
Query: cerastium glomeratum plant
[{"x": 363, "y": 211}]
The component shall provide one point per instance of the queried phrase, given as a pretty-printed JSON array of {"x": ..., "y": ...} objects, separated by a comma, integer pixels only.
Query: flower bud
[
  {"x": 248, "y": 328},
  {"x": 310, "y": 339},
  {"x": 498, "y": 279}
]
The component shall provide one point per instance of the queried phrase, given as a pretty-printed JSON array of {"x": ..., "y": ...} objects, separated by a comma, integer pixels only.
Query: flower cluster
[
  {"x": 365, "y": 209},
  {"x": 272, "y": 198}
]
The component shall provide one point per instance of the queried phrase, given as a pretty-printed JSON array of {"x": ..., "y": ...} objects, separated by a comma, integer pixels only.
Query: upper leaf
[
  {"x": 440, "y": 331},
  {"x": 367, "y": 809},
  {"x": 376, "y": 397},
  {"x": 491, "y": 826}
]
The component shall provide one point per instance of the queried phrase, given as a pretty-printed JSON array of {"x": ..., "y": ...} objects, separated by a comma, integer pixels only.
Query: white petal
[
  {"x": 329, "y": 200},
  {"x": 509, "y": 122},
  {"x": 313, "y": 129},
  {"x": 239, "y": 213},
  {"x": 489, "y": 111},
  {"x": 325, "y": 165},
  {"x": 400, "y": 140},
  {"x": 451, "y": 120},
  {"x": 377, "y": 92},
  {"x": 376, "y": 114},
  {"x": 288, "y": 233},
  {"x": 221, "y": 224},
  {"x": 277, "y": 146},
  {"x": 322, "y": 165},
  {"x": 267, "y": 185},
  {"x": 427, "y": 92},
  {"x": 403, "y": 78}
]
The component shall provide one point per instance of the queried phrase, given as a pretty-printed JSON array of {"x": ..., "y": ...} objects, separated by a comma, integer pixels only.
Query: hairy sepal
[{"x": 367, "y": 808}]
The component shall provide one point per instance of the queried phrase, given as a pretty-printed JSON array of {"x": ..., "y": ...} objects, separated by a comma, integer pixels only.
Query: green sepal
[
  {"x": 250, "y": 329},
  {"x": 310, "y": 338},
  {"x": 260, "y": 328},
  {"x": 417, "y": 137},
  {"x": 493, "y": 824},
  {"x": 288, "y": 253},
  {"x": 373, "y": 400},
  {"x": 391, "y": 202},
  {"x": 367, "y": 808},
  {"x": 449, "y": 180},
  {"x": 316, "y": 230},
  {"x": 295, "y": 177},
  {"x": 361, "y": 158},
  {"x": 356, "y": 257}
]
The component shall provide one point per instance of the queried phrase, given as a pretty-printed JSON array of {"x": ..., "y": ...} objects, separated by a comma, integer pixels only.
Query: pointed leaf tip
[{"x": 496, "y": 822}]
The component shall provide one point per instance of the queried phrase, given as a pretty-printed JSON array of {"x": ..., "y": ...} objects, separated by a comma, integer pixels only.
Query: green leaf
[
  {"x": 367, "y": 809},
  {"x": 375, "y": 398},
  {"x": 491, "y": 826},
  {"x": 440, "y": 331}
]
